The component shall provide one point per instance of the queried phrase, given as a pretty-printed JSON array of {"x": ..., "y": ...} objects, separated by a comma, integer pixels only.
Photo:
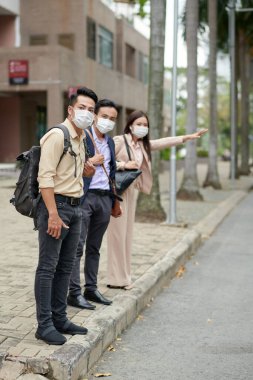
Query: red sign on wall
[
  {"x": 73, "y": 90},
  {"x": 18, "y": 72}
]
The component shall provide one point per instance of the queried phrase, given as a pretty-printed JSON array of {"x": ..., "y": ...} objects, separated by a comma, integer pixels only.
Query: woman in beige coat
[{"x": 120, "y": 230}]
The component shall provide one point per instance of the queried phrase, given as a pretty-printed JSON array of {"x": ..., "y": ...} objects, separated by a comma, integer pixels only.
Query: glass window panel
[
  {"x": 91, "y": 38},
  {"x": 105, "y": 47}
]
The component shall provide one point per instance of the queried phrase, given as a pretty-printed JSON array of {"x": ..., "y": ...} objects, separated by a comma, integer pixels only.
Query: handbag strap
[{"x": 127, "y": 147}]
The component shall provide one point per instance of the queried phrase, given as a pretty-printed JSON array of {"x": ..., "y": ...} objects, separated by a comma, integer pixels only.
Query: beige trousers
[{"x": 119, "y": 241}]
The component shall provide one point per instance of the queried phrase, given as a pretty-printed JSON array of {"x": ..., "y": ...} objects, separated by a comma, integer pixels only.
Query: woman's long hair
[{"x": 131, "y": 118}]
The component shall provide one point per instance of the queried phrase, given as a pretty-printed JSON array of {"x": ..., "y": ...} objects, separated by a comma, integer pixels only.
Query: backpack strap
[
  {"x": 86, "y": 148},
  {"x": 67, "y": 144}
]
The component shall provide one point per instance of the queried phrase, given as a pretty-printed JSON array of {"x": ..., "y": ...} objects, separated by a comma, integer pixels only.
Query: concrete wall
[{"x": 46, "y": 66}]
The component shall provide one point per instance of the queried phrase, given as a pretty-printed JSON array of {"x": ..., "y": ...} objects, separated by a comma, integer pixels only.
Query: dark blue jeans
[{"x": 56, "y": 259}]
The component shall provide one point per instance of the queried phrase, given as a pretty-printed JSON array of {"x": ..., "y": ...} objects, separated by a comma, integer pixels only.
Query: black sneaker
[
  {"x": 50, "y": 336},
  {"x": 71, "y": 329}
]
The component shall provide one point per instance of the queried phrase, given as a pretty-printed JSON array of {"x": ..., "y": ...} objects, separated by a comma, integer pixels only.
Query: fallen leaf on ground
[
  {"x": 140, "y": 318},
  {"x": 180, "y": 271},
  {"x": 111, "y": 348}
]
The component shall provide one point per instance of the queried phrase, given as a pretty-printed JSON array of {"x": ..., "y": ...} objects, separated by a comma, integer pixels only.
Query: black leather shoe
[
  {"x": 80, "y": 301},
  {"x": 50, "y": 336},
  {"x": 96, "y": 296},
  {"x": 71, "y": 329}
]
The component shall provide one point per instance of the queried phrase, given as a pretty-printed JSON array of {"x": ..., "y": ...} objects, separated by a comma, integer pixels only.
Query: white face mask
[
  {"x": 139, "y": 131},
  {"x": 83, "y": 119},
  {"x": 105, "y": 125}
]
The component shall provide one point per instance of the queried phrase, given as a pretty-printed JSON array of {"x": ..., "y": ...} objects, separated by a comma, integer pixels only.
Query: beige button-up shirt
[{"x": 61, "y": 176}]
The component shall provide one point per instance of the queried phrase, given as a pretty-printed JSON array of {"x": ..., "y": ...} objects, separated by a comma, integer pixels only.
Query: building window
[
  {"x": 143, "y": 68},
  {"x": 91, "y": 38},
  {"x": 38, "y": 39},
  {"x": 140, "y": 66},
  {"x": 130, "y": 61},
  {"x": 105, "y": 47},
  {"x": 67, "y": 40}
]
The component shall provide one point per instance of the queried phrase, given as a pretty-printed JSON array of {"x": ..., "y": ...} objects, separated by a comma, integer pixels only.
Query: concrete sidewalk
[{"x": 158, "y": 252}]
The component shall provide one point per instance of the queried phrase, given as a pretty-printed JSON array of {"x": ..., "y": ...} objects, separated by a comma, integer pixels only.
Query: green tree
[
  {"x": 244, "y": 43},
  {"x": 190, "y": 188},
  {"x": 150, "y": 206},
  {"x": 244, "y": 72},
  {"x": 212, "y": 177}
]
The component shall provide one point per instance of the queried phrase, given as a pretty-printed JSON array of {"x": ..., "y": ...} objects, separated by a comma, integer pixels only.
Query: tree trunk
[
  {"x": 189, "y": 187},
  {"x": 212, "y": 177},
  {"x": 237, "y": 60},
  {"x": 245, "y": 80},
  {"x": 150, "y": 206}
]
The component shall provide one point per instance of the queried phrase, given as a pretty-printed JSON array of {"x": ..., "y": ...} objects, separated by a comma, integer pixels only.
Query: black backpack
[{"x": 26, "y": 195}]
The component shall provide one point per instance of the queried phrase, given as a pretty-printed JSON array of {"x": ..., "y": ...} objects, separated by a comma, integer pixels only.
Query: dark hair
[
  {"x": 131, "y": 118},
  {"x": 105, "y": 103},
  {"x": 85, "y": 92}
]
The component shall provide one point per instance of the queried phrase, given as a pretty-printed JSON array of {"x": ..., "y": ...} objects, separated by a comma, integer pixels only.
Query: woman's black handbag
[{"x": 124, "y": 178}]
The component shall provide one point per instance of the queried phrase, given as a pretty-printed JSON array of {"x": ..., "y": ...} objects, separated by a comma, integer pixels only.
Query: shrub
[{"x": 202, "y": 152}]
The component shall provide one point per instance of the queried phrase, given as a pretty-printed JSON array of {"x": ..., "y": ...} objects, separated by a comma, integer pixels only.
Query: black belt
[
  {"x": 100, "y": 192},
  {"x": 70, "y": 200}
]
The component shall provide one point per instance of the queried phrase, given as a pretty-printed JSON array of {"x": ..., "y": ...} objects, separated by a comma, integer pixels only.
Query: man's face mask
[
  {"x": 82, "y": 118},
  {"x": 105, "y": 125}
]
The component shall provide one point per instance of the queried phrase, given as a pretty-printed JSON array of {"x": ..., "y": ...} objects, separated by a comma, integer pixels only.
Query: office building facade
[{"x": 48, "y": 49}]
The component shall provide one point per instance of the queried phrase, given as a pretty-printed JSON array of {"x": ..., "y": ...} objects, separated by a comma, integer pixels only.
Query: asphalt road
[{"x": 201, "y": 326}]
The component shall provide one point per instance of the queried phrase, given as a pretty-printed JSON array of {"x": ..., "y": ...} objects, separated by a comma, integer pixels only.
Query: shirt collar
[
  {"x": 95, "y": 136},
  {"x": 72, "y": 130}
]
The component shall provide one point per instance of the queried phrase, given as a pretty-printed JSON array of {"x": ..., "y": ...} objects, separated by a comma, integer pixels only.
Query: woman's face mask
[
  {"x": 82, "y": 118},
  {"x": 105, "y": 125},
  {"x": 139, "y": 131}
]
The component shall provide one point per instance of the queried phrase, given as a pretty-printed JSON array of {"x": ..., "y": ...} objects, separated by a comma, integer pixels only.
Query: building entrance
[{"x": 23, "y": 122}]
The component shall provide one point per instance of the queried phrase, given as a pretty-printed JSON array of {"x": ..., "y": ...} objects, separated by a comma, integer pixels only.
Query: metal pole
[
  {"x": 232, "y": 86},
  {"x": 173, "y": 171}
]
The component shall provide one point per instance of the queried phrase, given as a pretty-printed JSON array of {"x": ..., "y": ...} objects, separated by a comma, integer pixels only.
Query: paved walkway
[{"x": 19, "y": 350}]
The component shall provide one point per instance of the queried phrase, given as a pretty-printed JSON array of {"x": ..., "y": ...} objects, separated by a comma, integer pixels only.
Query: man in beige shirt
[{"x": 59, "y": 218}]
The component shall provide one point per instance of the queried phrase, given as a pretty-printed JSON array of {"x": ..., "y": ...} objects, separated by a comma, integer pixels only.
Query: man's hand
[
  {"x": 55, "y": 224},
  {"x": 117, "y": 212},
  {"x": 88, "y": 169},
  {"x": 131, "y": 165},
  {"x": 97, "y": 159},
  {"x": 120, "y": 213}
]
